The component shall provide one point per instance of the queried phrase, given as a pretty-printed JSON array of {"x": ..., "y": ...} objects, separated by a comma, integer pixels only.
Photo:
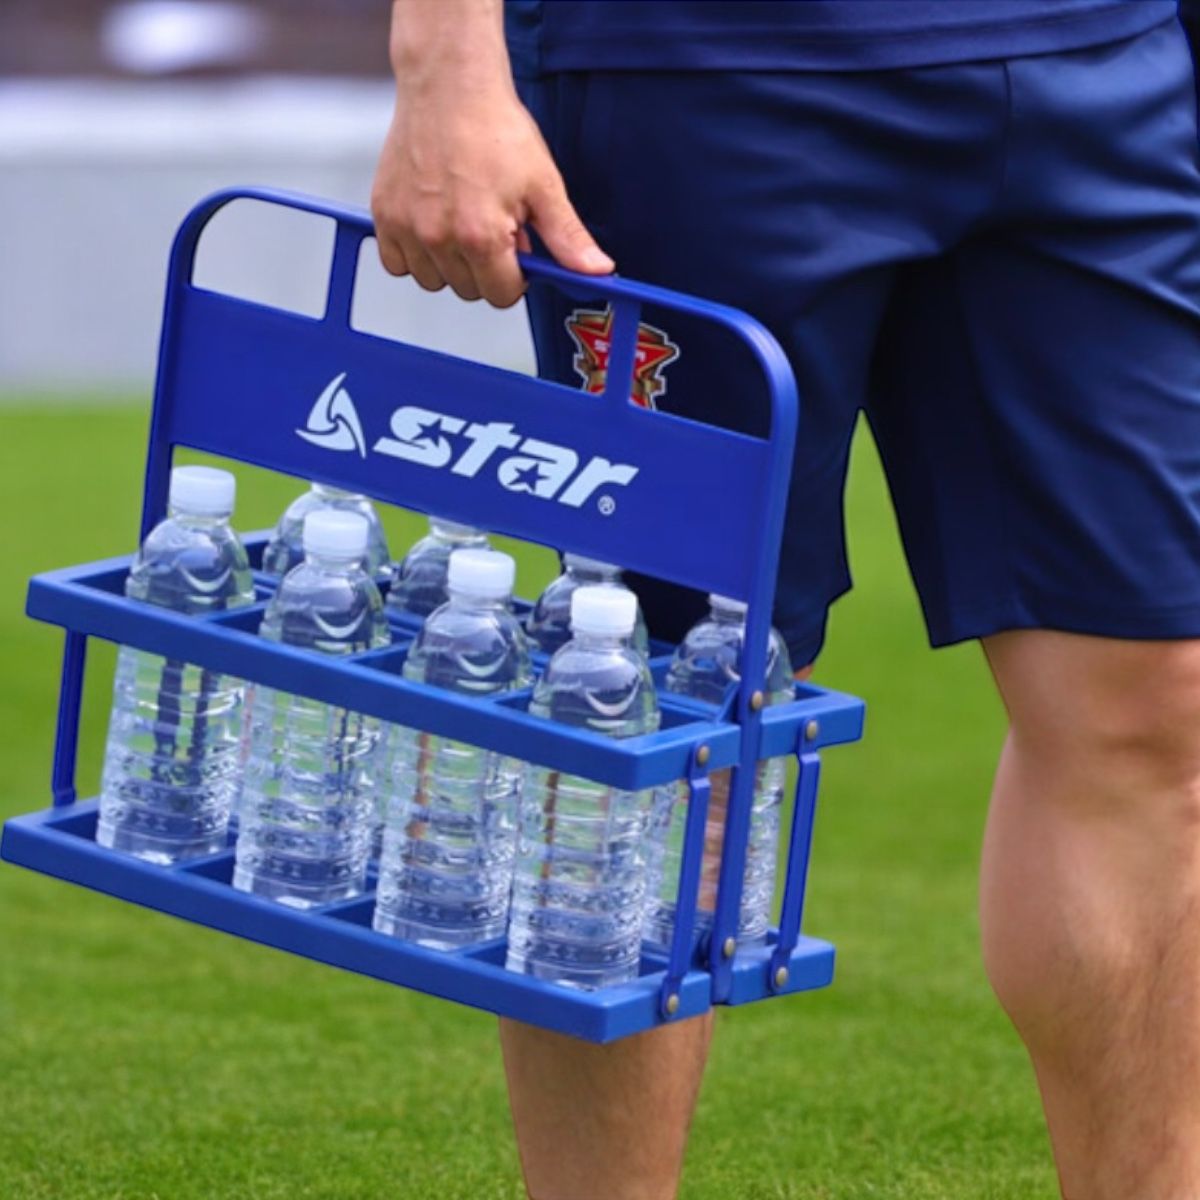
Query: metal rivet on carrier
[
  {"x": 811, "y": 730},
  {"x": 756, "y": 701},
  {"x": 672, "y": 1004},
  {"x": 729, "y": 947},
  {"x": 781, "y": 977},
  {"x": 703, "y": 755}
]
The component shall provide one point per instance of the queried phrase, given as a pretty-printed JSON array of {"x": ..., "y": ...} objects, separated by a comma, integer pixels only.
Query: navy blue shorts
[{"x": 999, "y": 261}]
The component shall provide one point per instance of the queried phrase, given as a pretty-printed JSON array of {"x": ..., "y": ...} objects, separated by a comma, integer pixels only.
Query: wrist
[{"x": 429, "y": 37}]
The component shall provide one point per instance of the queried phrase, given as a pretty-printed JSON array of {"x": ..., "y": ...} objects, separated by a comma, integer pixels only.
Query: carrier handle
[{"x": 626, "y": 296}]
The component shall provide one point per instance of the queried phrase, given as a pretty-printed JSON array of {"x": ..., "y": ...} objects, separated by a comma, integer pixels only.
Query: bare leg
[
  {"x": 604, "y": 1122},
  {"x": 1090, "y": 902},
  {"x": 611, "y": 1122}
]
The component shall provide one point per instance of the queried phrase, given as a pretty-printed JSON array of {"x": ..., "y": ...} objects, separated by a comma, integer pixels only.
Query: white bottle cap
[
  {"x": 589, "y": 564},
  {"x": 611, "y": 611},
  {"x": 737, "y": 606},
  {"x": 205, "y": 491},
  {"x": 487, "y": 573},
  {"x": 335, "y": 533}
]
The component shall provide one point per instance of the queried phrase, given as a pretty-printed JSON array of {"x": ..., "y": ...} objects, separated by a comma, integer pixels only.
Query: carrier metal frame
[{"x": 444, "y": 435}]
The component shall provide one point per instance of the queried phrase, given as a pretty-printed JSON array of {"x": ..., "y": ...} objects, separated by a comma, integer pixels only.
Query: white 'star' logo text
[
  {"x": 445, "y": 442},
  {"x": 334, "y": 422}
]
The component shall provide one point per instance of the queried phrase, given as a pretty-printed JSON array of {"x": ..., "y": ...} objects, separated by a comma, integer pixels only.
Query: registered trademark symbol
[{"x": 607, "y": 506}]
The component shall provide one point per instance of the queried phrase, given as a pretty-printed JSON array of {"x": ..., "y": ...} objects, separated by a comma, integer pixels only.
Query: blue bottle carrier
[{"x": 672, "y": 498}]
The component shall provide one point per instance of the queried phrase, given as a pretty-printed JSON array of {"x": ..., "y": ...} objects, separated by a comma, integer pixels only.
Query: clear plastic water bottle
[
  {"x": 450, "y": 833},
  {"x": 285, "y": 550},
  {"x": 171, "y": 761},
  {"x": 549, "y": 623},
  {"x": 308, "y": 799},
  {"x": 419, "y": 581},
  {"x": 705, "y": 664},
  {"x": 579, "y": 888}
]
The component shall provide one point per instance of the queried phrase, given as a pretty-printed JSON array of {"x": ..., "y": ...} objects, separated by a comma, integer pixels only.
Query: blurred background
[
  {"x": 144, "y": 1057},
  {"x": 117, "y": 115}
]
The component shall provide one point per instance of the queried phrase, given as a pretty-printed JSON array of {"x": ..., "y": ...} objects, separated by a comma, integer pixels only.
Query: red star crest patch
[{"x": 591, "y": 331}]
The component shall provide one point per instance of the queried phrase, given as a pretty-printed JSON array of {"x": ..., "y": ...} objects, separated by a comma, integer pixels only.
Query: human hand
[{"x": 464, "y": 168}]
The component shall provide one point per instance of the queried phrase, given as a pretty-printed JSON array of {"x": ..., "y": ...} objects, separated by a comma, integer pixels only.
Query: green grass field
[{"x": 144, "y": 1058}]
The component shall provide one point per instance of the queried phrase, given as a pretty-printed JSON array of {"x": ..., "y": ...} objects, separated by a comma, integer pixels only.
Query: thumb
[{"x": 565, "y": 235}]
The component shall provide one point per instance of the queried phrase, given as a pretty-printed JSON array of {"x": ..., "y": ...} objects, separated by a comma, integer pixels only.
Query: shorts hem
[
  {"x": 1147, "y": 624},
  {"x": 804, "y": 634}
]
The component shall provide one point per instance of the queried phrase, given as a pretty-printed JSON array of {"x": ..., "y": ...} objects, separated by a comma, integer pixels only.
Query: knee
[{"x": 1121, "y": 718}]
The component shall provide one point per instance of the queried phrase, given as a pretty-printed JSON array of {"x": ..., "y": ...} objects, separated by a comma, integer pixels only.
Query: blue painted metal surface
[
  {"x": 699, "y": 794},
  {"x": 804, "y": 812},
  {"x": 595, "y": 474}
]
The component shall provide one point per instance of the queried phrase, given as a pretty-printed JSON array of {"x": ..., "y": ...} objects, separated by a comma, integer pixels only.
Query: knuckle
[
  {"x": 504, "y": 295},
  {"x": 480, "y": 241},
  {"x": 432, "y": 231},
  {"x": 393, "y": 261},
  {"x": 574, "y": 230},
  {"x": 427, "y": 275},
  {"x": 378, "y": 204},
  {"x": 386, "y": 213},
  {"x": 549, "y": 183}
]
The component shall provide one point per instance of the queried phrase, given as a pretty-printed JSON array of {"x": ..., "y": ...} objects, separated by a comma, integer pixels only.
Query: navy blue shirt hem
[{"x": 553, "y": 37}]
